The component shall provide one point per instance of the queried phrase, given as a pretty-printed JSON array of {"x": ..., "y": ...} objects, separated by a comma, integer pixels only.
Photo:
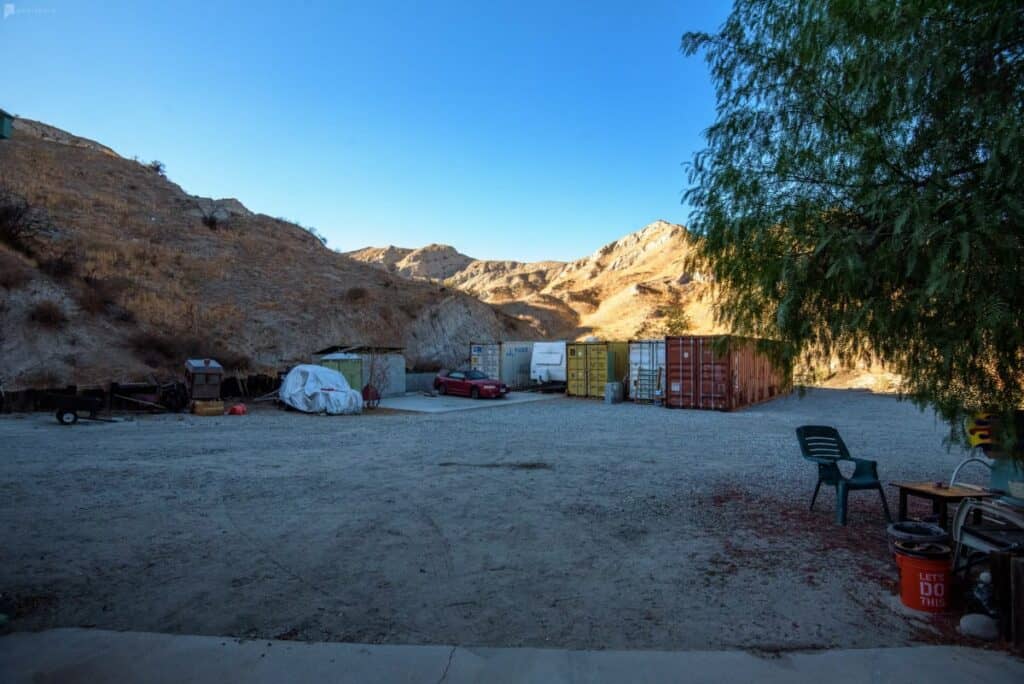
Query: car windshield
[{"x": 476, "y": 375}]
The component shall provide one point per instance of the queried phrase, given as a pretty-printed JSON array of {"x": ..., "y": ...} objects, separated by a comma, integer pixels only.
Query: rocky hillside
[
  {"x": 433, "y": 262},
  {"x": 110, "y": 271},
  {"x": 638, "y": 285}
]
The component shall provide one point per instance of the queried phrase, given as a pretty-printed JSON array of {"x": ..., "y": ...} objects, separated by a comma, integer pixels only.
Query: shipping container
[
  {"x": 505, "y": 361},
  {"x": 486, "y": 358},
  {"x": 592, "y": 365},
  {"x": 382, "y": 367},
  {"x": 548, "y": 363},
  {"x": 647, "y": 371},
  {"x": 719, "y": 372},
  {"x": 349, "y": 365}
]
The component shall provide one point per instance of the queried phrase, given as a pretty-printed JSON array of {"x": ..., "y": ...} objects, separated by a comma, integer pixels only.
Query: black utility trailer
[{"x": 69, "y": 406}]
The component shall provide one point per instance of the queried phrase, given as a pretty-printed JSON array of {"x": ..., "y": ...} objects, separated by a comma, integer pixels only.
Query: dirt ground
[{"x": 564, "y": 523}]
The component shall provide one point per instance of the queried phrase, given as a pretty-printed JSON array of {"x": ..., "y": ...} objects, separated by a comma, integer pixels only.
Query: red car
[{"x": 469, "y": 383}]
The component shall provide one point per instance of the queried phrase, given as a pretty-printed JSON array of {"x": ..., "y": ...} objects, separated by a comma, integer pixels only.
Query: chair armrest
[{"x": 865, "y": 467}]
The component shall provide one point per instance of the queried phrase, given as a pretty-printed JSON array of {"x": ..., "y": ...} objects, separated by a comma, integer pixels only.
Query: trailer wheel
[{"x": 66, "y": 417}]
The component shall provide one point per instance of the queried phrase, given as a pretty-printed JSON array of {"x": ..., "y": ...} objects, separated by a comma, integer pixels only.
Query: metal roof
[
  {"x": 339, "y": 356},
  {"x": 360, "y": 349},
  {"x": 203, "y": 365}
]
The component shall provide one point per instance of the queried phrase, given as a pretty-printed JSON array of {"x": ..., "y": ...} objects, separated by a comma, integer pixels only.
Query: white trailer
[
  {"x": 548, "y": 362},
  {"x": 505, "y": 361},
  {"x": 647, "y": 371}
]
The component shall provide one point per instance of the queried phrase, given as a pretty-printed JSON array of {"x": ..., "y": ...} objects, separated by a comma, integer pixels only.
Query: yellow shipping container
[
  {"x": 591, "y": 365},
  {"x": 576, "y": 369}
]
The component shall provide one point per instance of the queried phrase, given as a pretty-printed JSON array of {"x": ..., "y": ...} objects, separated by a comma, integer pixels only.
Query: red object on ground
[
  {"x": 924, "y": 582},
  {"x": 237, "y": 410},
  {"x": 371, "y": 396}
]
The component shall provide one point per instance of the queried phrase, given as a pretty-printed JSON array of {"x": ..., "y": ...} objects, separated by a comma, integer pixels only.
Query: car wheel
[
  {"x": 67, "y": 417},
  {"x": 442, "y": 388},
  {"x": 475, "y": 393}
]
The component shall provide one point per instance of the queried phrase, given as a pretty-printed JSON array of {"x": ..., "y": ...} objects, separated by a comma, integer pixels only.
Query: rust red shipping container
[{"x": 720, "y": 373}]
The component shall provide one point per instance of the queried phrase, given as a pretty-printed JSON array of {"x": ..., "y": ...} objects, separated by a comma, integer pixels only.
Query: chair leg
[
  {"x": 841, "y": 495},
  {"x": 885, "y": 504},
  {"x": 815, "y": 497}
]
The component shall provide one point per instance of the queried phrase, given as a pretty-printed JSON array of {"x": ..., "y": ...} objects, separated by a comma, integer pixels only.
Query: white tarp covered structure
[{"x": 315, "y": 389}]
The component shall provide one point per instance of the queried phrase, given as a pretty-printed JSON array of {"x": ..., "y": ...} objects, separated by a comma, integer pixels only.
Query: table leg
[
  {"x": 902, "y": 515},
  {"x": 943, "y": 514}
]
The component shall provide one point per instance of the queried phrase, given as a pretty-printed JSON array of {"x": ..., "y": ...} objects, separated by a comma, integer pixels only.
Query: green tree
[{"x": 860, "y": 192}]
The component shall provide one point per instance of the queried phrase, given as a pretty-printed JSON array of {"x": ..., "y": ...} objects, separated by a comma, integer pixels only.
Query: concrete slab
[
  {"x": 96, "y": 656},
  {"x": 421, "y": 403}
]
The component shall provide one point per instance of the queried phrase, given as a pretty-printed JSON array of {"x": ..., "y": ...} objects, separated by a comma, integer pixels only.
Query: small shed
[
  {"x": 382, "y": 366},
  {"x": 6, "y": 125},
  {"x": 203, "y": 378}
]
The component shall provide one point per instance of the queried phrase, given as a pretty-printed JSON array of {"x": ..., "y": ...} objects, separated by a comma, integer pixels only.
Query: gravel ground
[{"x": 565, "y": 523}]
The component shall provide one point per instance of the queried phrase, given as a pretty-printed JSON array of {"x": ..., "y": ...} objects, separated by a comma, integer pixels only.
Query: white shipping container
[
  {"x": 486, "y": 358},
  {"x": 548, "y": 362},
  {"x": 505, "y": 361},
  {"x": 647, "y": 371},
  {"x": 515, "y": 363}
]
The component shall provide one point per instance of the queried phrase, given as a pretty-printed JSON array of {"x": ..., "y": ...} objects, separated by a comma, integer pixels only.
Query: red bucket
[{"x": 925, "y": 576}]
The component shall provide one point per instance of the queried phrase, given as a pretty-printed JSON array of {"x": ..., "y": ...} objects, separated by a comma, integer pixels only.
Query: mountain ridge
[{"x": 626, "y": 288}]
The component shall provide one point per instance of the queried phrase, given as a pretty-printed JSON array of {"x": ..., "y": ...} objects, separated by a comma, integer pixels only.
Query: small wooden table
[{"x": 940, "y": 496}]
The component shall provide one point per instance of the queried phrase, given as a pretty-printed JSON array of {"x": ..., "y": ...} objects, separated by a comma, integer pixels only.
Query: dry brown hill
[
  {"x": 433, "y": 262},
  {"x": 629, "y": 288},
  {"x": 109, "y": 271}
]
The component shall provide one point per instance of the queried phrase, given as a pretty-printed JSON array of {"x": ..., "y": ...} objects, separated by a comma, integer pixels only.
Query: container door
[
  {"x": 515, "y": 363},
  {"x": 680, "y": 371},
  {"x": 576, "y": 367},
  {"x": 599, "y": 368},
  {"x": 715, "y": 378},
  {"x": 646, "y": 370},
  {"x": 352, "y": 369}
]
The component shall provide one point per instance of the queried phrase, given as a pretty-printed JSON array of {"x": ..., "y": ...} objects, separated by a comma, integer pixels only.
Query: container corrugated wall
[
  {"x": 591, "y": 365},
  {"x": 576, "y": 369},
  {"x": 505, "y": 361},
  {"x": 351, "y": 370},
  {"x": 486, "y": 358},
  {"x": 646, "y": 371},
  {"x": 515, "y": 364},
  {"x": 719, "y": 373}
]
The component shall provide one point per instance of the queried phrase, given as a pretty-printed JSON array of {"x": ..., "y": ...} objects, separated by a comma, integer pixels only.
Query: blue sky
[{"x": 516, "y": 130}]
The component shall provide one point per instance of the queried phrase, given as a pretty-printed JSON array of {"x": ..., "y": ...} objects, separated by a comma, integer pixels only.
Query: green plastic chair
[{"x": 823, "y": 446}]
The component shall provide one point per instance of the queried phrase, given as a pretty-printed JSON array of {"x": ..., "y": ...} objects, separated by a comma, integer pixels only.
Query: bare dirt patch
[{"x": 674, "y": 530}]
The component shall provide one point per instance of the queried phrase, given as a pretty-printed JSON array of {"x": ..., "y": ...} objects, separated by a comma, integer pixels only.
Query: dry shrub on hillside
[
  {"x": 14, "y": 215},
  {"x": 354, "y": 294},
  {"x": 59, "y": 267},
  {"x": 48, "y": 313},
  {"x": 43, "y": 378},
  {"x": 13, "y": 273},
  {"x": 97, "y": 296},
  {"x": 161, "y": 350}
]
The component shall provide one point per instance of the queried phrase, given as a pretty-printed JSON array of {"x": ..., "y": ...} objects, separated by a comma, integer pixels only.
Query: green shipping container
[{"x": 349, "y": 365}]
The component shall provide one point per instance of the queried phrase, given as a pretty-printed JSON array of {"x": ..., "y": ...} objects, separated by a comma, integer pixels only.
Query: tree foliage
[{"x": 860, "y": 193}]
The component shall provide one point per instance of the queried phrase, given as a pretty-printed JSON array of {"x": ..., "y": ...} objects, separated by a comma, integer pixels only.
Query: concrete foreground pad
[
  {"x": 96, "y": 656},
  {"x": 420, "y": 403}
]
